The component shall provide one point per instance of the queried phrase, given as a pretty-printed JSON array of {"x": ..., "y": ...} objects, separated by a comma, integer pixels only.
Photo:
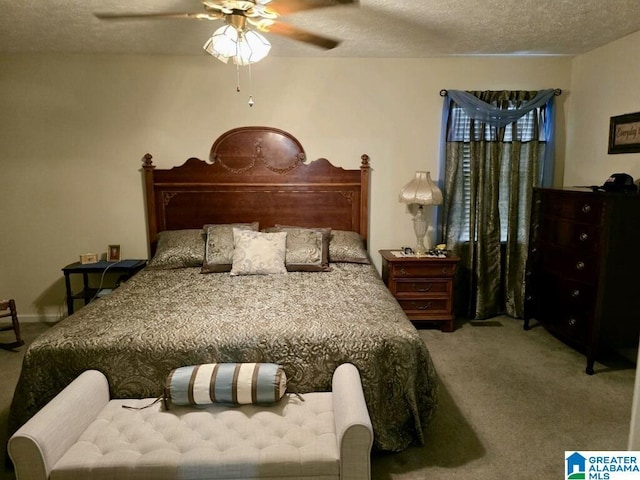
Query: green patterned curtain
[{"x": 490, "y": 167}]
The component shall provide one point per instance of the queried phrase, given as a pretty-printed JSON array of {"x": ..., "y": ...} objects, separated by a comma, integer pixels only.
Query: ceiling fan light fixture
[{"x": 243, "y": 47}]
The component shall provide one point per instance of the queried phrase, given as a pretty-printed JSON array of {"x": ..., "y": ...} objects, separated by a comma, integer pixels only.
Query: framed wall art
[{"x": 624, "y": 133}]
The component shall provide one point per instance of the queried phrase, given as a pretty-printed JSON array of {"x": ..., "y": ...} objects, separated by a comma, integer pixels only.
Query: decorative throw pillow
[
  {"x": 179, "y": 249},
  {"x": 236, "y": 383},
  {"x": 258, "y": 253},
  {"x": 219, "y": 245},
  {"x": 347, "y": 247},
  {"x": 307, "y": 248}
]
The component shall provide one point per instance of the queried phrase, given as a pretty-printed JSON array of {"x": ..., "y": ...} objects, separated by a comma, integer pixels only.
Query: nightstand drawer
[
  {"x": 422, "y": 288},
  {"x": 419, "y": 270},
  {"x": 425, "y": 305}
]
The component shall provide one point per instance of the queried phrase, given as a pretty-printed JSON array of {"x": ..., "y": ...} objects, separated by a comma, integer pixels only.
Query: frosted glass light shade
[
  {"x": 223, "y": 43},
  {"x": 421, "y": 191},
  {"x": 252, "y": 48}
]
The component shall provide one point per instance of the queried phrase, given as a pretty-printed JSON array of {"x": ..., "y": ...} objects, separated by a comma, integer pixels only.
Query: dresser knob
[
  {"x": 445, "y": 270},
  {"x": 572, "y": 322},
  {"x": 583, "y": 237},
  {"x": 403, "y": 271},
  {"x": 586, "y": 208},
  {"x": 575, "y": 293},
  {"x": 580, "y": 265},
  {"x": 538, "y": 201}
]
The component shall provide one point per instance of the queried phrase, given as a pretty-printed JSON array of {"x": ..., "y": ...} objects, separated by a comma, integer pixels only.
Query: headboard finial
[
  {"x": 148, "y": 160},
  {"x": 365, "y": 160}
]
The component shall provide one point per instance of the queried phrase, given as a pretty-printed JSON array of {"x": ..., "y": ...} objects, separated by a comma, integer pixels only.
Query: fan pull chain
[
  {"x": 250, "y": 88},
  {"x": 251, "y": 102}
]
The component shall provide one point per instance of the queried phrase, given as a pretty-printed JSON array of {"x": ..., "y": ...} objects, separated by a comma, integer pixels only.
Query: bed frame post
[
  {"x": 151, "y": 202},
  {"x": 364, "y": 200}
]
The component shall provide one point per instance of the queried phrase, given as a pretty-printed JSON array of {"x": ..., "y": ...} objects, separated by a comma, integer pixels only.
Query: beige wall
[
  {"x": 73, "y": 131},
  {"x": 604, "y": 84}
]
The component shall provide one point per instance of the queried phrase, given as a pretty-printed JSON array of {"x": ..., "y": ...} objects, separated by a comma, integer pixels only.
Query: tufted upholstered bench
[{"x": 81, "y": 434}]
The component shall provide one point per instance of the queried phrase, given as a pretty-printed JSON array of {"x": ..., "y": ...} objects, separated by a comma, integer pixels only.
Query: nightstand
[
  {"x": 126, "y": 269},
  {"x": 423, "y": 286}
]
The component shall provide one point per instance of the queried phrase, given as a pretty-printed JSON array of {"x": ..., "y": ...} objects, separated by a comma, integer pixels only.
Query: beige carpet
[{"x": 511, "y": 402}]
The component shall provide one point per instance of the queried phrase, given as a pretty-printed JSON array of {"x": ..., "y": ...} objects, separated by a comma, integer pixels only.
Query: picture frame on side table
[
  {"x": 624, "y": 133},
  {"x": 113, "y": 253}
]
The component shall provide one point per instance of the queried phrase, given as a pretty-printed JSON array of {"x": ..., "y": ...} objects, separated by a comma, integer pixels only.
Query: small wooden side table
[
  {"x": 423, "y": 287},
  {"x": 126, "y": 269}
]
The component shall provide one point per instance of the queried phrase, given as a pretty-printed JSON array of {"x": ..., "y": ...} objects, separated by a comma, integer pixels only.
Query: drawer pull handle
[
  {"x": 424, "y": 307},
  {"x": 575, "y": 293},
  {"x": 403, "y": 271},
  {"x": 445, "y": 270},
  {"x": 572, "y": 322},
  {"x": 580, "y": 265},
  {"x": 583, "y": 237},
  {"x": 586, "y": 208},
  {"x": 422, "y": 290}
]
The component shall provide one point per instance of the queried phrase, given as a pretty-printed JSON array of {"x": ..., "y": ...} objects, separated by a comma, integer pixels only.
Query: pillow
[
  {"x": 178, "y": 249},
  {"x": 237, "y": 383},
  {"x": 258, "y": 253},
  {"x": 307, "y": 248},
  {"x": 347, "y": 247},
  {"x": 218, "y": 255}
]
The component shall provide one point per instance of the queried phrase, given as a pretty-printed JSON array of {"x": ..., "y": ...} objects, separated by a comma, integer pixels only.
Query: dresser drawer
[
  {"x": 554, "y": 293},
  {"x": 570, "y": 264},
  {"x": 421, "y": 288},
  {"x": 422, "y": 270},
  {"x": 583, "y": 208},
  {"x": 571, "y": 327},
  {"x": 567, "y": 233}
]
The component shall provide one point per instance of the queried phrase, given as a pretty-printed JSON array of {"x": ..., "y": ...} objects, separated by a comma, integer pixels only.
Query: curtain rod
[{"x": 557, "y": 92}]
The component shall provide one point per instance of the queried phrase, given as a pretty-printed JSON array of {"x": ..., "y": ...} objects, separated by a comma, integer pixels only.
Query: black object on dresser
[{"x": 583, "y": 267}]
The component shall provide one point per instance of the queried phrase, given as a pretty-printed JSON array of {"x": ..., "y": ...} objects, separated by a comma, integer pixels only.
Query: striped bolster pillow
[{"x": 237, "y": 383}]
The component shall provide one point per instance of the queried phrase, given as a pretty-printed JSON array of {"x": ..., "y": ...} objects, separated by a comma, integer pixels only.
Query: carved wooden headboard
[{"x": 256, "y": 174}]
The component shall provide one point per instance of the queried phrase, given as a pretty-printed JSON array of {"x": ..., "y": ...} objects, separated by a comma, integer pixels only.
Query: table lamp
[{"x": 420, "y": 191}]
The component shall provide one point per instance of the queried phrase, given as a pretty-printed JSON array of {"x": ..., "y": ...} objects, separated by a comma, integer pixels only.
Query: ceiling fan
[{"x": 238, "y": 16}]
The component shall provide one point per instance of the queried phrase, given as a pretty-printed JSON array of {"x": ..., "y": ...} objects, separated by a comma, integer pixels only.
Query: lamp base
[{"x": 420, "y": 227}]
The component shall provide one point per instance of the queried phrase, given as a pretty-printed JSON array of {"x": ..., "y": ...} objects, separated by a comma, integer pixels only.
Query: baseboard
[{"x": 38, "y": 318}]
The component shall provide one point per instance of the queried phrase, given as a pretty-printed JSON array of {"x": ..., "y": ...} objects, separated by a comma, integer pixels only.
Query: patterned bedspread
[{"x": 307, "y": 322}]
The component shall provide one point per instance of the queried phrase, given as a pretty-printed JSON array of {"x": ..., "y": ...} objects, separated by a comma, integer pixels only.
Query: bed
[{"x": 186, "y": 307}]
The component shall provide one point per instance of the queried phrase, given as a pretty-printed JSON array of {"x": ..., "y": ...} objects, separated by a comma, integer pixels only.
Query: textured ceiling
[{"x": 368, "y": 28}]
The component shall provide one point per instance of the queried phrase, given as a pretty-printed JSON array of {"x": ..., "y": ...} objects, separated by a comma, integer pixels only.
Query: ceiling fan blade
[
  {"x": 285, "y": 7},
  {"x": 300, "y": 35},
  {"x": 134, "y": 16}
]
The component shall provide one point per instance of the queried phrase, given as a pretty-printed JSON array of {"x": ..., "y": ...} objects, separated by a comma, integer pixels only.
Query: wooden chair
[{"x": 8, "y": 309}]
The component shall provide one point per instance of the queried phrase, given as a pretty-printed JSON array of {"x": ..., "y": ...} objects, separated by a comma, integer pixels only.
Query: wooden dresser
[
  {"x": 423, "y": 286},
  {"x": 583, "y": 267}
]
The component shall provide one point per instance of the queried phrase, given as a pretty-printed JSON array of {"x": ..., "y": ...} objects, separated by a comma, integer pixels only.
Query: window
[{"x": 463, "y": 127}]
